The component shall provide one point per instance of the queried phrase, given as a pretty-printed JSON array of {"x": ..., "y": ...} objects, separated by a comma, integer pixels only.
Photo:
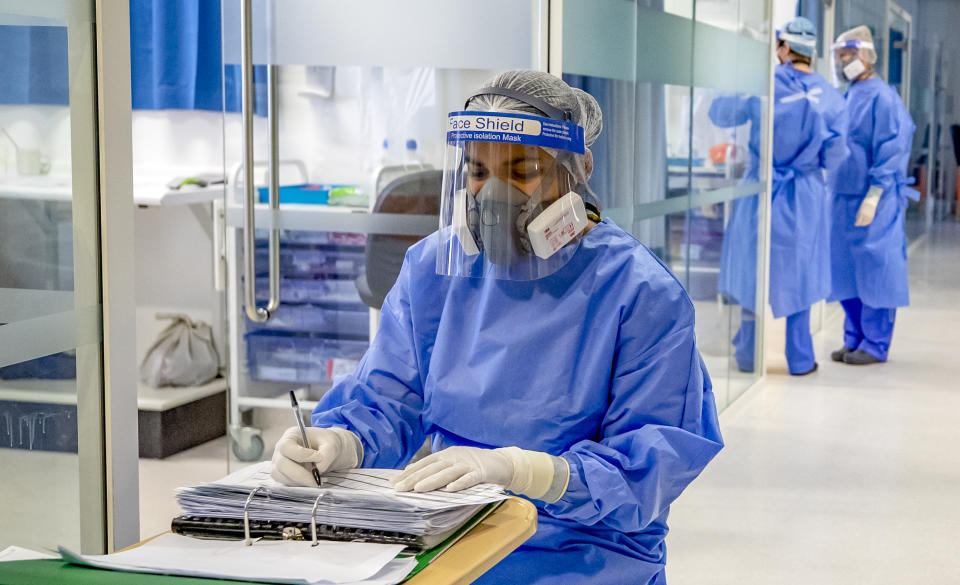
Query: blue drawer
[
  {"x": 312, "y": 263},
  {"x": 319, "y": 291}
]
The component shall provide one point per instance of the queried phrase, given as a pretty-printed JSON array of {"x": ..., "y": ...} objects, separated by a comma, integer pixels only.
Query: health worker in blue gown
[
  {"x": 869, "y": 243},
  {"x": 537, "y": 346},
  {"x": 800, "y": 206}
]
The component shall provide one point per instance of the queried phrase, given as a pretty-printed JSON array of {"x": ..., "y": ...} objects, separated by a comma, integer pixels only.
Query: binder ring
[
  {"x": 313, "y": 520},
  {"x": 246, "y": 517}
]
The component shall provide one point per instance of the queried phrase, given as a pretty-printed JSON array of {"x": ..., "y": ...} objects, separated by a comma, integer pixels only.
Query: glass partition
[
  {"x": 51, "y": 393},
  {"x": 683, "y": 86}
]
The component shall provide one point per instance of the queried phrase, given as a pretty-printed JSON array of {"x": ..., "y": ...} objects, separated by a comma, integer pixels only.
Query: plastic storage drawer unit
[
  {"x": 305, "y": 359},
  {"x": 317, "y": 291}
]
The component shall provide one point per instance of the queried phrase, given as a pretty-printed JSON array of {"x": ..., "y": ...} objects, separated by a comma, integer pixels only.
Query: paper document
[
  {"x": 356, "y": 498},
  {"x": 295, "y": 562},
  {"x": 16, "y": 553}
]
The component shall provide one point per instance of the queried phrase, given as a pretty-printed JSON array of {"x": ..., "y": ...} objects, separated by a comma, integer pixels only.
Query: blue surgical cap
[{"x": 801, "y": 34}]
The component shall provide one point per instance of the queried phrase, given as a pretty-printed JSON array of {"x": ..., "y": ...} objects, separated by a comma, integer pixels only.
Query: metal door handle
[{"x": 255, "y": 313}]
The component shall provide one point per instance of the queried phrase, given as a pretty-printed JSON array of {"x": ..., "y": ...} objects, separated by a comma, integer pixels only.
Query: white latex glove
[
  {"x": 868, "y": 208},
  {"x": 537, "y": 475},
  {"x": 330, "y": 449}
]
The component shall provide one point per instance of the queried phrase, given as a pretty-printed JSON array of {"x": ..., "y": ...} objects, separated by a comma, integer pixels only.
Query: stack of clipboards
[{"x": 357, "y": 505}]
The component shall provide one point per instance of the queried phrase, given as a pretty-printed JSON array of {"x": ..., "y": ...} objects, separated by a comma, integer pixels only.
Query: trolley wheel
[{"x": 251, "y": 451}]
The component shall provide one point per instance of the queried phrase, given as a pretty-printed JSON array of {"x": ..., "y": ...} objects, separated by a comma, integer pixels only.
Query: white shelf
[
  {"x": 159, "y": 399},
  {"x": 145, "y": 194},
  {"x": 65, "y": 392},
  {"x": 292, "y": 216},
  {"x": 281, "y": 402},
  {"x": 153, "y": 195},
  {"x": 40, "y": 188},
  {"x": 45, "y": 391}
]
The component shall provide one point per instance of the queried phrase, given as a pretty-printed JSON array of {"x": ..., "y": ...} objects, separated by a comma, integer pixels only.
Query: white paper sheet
[
  {"x": 16, "y": 553},
  {"x": 359, "y": 498},
  {"x": 275, "y": 561}
]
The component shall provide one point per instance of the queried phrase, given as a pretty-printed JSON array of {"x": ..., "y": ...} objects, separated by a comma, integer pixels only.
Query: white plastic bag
[{"x": 183, "y": 355}]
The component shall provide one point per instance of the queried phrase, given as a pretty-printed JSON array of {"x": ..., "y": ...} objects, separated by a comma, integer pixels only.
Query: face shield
[
  {"x": 508, "y": 209},
  {"x": 848, "y": 60}
]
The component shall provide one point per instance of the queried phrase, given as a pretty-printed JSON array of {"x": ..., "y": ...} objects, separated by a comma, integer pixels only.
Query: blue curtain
[
  {"x": 33, "y": 65},
  {"x": 175, "y": 61}
]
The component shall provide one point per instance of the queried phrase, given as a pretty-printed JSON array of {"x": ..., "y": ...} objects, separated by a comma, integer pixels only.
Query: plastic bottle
[
  {"x": 410, "y": 156},
  {"x": 377, "y": 179}
]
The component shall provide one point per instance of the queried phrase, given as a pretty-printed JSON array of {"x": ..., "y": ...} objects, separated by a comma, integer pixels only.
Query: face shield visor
[
  {"x": 847, "y": 59},
  {"x": 508, "y": 209}
]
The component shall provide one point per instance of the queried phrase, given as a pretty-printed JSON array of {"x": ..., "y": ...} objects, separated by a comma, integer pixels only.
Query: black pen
[{"x": 303, "y": 433}]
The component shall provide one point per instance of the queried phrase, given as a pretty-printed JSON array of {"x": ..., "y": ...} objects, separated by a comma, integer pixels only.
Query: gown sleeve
[
  {"x": 660, "y": 429},
  {"x": 728, "y": 111},
  {"x": 886, "y": 146},
  {"x": 835, "y": 150},
  {"x": 382, "y": 400}
]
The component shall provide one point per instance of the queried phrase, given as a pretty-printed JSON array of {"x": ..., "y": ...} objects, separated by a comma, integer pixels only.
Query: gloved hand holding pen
[{"x": 330, "y": 449}]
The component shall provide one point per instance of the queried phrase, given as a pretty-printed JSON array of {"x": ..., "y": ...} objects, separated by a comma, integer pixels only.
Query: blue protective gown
[
  {"x": 738, "y": 253},
  {"x": 833, "y": 107},
  {"x": 799, "y": 240},
  {"x": 800, "y": 207},
  {"x": 870, "y": 262},
  {"x": 596, "y": 363}
]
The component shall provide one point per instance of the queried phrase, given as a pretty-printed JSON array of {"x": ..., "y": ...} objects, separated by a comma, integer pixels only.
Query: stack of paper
[{"x": 356, "y": 498}]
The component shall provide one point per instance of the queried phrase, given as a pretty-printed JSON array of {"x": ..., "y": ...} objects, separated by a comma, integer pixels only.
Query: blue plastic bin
[{"x": 306, "y": 193}]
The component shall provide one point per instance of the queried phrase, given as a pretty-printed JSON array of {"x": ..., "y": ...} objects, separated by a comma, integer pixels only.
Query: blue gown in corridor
[
  {"x": 596, "y": 363},
  {"x": 799, "y": 239},
  {"x": 869, "y": 263},
  {"x": 833, "y": 107}
]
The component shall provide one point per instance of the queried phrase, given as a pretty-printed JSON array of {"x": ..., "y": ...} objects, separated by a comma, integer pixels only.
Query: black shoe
[
  {"x": 860, "y": 358},
  {"x": 815, "y": 367},
  {"x": 837, "y": 356}
]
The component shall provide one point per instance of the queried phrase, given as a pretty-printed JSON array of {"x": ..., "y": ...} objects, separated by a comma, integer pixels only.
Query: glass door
[
  {"x": 333, "y": 162},
  {"x": 55, "y": 437},
  {"x": 679, "y": 163}
]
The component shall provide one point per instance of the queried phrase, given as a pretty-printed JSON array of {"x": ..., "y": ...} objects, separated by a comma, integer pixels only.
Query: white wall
[{"x": 36, "y": 127}]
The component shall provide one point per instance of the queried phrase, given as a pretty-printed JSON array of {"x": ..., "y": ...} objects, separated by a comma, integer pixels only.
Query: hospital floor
[{"x": 849, "y": 475}]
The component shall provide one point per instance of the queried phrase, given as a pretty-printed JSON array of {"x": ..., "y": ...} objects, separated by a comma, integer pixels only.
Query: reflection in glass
[{"x": 39, "y": 505}]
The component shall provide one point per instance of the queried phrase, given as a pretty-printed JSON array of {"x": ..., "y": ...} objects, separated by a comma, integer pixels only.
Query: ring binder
[
  {"x": 247, "y": 541},
  {"x": 313, "y": 520}
]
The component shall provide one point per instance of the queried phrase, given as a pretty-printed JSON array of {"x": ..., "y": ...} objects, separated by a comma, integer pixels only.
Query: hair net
[
  {"x": 555, "y": 92},
  {"x": 801, "y": 34},
  {"x": 862, "y": 34}
]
